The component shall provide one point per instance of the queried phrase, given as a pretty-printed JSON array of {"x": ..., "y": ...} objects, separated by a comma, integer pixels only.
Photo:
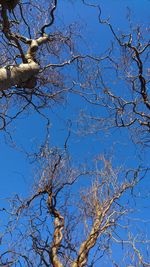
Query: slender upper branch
[
  {"x": 52, "y": 18},
  {"x": 100, "y": 225}
]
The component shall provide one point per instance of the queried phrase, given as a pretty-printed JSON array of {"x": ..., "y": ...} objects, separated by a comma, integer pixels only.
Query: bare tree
[
  {"x": 30, "y": 54},
  {"x": 120, "y": 81},
  {"x": 60, "y": 225},
  {"x": 26, "y": 70}
]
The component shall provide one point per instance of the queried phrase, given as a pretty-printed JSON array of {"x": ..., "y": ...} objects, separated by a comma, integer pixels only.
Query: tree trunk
[{"x": 22, "y": 75}]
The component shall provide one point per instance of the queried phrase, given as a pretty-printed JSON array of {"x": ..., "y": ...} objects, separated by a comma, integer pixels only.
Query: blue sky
[{"x": 28, "y": 131}]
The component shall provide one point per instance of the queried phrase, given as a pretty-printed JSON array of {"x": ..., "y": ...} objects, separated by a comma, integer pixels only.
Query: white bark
[
  {"x": 23, "y": 75},
  {"x": 20, "y": 75}
]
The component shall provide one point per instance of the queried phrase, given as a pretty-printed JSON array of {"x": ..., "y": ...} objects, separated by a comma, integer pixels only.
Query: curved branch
[
  {"x": 23, "y": 75},
  {"x": 101, "y": 223},
  {"x": 52, "y": 18}
]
